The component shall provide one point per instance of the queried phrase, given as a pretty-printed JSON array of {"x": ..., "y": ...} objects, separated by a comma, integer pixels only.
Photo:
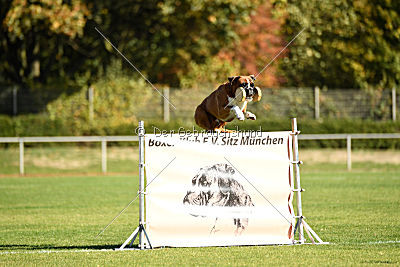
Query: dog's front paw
[
  {"x": 250, "y": 116},
  {"x": 240, "y": 116},
  {"x": 238, "y": 113}
]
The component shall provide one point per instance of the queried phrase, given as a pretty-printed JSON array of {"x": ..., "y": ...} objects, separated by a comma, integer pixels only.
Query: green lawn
[
  {"x": 358, "y": 212},
  {"x": 68, "y": 159}
]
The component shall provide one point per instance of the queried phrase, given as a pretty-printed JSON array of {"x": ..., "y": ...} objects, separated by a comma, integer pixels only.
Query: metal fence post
[
  {"x": 394, "y": 103},
  {"x": 90, "y": 98},
  {"x": 349, "y": 152},
  {"x": 316, "y": 102},
  {"x": 21, "y": 156},
  {"x": 15, "y": 100},
  {"x": 166, "y": 105},
  {"x": 104, "y": 155}
]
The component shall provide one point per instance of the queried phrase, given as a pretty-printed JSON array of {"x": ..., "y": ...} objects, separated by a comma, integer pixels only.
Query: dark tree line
[{"x": 50, "y": 46}]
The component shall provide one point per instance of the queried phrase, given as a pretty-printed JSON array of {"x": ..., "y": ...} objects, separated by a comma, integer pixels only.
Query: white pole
[
  {"x": 316, "y": 102},
  {"x": 21, "y": 156},
  {"x": 349, "y": 152},
  {"x": 141, "y": 133},
  {"x": 297, "y": 175},
  {"x": 104, "y": 156},
  {"x": 394, "y": 104}
]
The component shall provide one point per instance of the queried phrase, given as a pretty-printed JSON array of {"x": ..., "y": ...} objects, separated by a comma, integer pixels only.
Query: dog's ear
[
  {"x": 253, "y": 77},
  {"x": 232, "y": 78}
]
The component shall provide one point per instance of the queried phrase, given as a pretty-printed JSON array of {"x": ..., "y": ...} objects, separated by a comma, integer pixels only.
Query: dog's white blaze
[
  {"x": 248, "y": 99},
  {"x": 248, "y": 82}
]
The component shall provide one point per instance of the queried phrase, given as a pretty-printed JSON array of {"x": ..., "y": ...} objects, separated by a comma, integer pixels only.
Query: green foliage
[
  {"x": 51, "y": 47},
  {"x": 55, "y": 16},
  {"x": 117, "y": 98},
  {"x": 56, "y": 40},
  {"x": 212, "y": 70},
  {"x": 37, "y": 37},
  {"x": 164, "y": 37},
  {"x": 346, "y": 44},
  {"x": 39, "y": 125},
  {"x": 6, "y": 126}
]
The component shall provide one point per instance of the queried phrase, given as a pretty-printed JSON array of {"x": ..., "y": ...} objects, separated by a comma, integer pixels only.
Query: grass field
[
  {"x": 54, "y": 220},
  {"x": 68, "y": 159}
]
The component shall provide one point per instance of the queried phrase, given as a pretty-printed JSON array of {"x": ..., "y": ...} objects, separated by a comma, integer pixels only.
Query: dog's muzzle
[{"x": 250, "y": 91}]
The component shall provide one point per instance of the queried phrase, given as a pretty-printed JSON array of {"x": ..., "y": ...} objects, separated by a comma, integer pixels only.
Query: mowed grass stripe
[
  {"x": 86, "y": 159},
  {"x": 137, "y": 249}
]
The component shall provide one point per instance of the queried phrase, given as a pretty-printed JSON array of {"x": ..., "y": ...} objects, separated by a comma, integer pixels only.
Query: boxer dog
[{"x": 227, "y": 102}]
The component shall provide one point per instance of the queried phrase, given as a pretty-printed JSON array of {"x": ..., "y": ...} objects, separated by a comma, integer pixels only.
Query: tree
[
  {"x": 347, "y": 44},
  {"x": 53, "y": 46},
  {"x": 45, "y": 39},
  {"x": 164, "y": 37},
  {"x": 37, "y": 39},
  {"x": 259, "y": 41}
]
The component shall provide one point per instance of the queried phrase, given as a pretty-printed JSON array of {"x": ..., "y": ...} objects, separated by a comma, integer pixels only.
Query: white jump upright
[
  {"x": 140, "y": 230},
  {"x": 298, "y": 188},
  {"x": 301, "y": 224}
]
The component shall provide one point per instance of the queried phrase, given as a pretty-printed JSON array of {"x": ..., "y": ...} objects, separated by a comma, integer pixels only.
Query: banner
[{"x": 219, "y": 189}]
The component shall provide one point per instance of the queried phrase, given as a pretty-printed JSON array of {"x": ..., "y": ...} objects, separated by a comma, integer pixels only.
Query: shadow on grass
[{"x": 52, "y": 247}]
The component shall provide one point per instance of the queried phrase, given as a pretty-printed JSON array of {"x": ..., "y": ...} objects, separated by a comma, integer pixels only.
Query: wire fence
[
  {"x": 282, "y": 102},
  {"x": 291, "y": 102}
]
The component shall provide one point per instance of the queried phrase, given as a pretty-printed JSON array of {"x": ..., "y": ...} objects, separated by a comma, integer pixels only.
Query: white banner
[{"x": 219, "y": 189}]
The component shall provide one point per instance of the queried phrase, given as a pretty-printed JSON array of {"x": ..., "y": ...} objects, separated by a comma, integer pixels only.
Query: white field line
[
  {"x": 62, "y": 251},
  {"x": 118, "y": 250}
]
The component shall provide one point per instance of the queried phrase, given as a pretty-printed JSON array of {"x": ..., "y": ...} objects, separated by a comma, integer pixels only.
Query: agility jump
[{"x": 206, "y": 193}]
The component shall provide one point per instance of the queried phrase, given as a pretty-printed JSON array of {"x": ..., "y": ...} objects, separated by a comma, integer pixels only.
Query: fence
[
  {"x": 67, "y": 139},
  {"x": 348, "y": 138},
  {"x": 291, "y": 102},
  {"x": 284, "y": 102},
  {"x": 105, "y": 139}
]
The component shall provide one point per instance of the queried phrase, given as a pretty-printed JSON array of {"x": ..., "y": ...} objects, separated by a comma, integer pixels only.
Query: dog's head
[
  {"x": 209, "y": 187},
  {"x": 246, "y": 87}
]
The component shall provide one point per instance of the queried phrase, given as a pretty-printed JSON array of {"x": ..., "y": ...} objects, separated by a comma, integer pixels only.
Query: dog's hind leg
[
  {"x": 207, "y": 121},
  {"x": 204, "y": 119}
]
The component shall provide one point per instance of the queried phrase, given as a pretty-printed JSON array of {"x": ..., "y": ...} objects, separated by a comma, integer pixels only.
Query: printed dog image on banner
[
  {"x": 216, "y": 186},
  {"x": 219, "y": 189}
]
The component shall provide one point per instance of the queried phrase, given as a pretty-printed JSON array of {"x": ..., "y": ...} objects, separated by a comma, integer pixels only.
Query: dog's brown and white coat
[{"x": 227, "y": 102}]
